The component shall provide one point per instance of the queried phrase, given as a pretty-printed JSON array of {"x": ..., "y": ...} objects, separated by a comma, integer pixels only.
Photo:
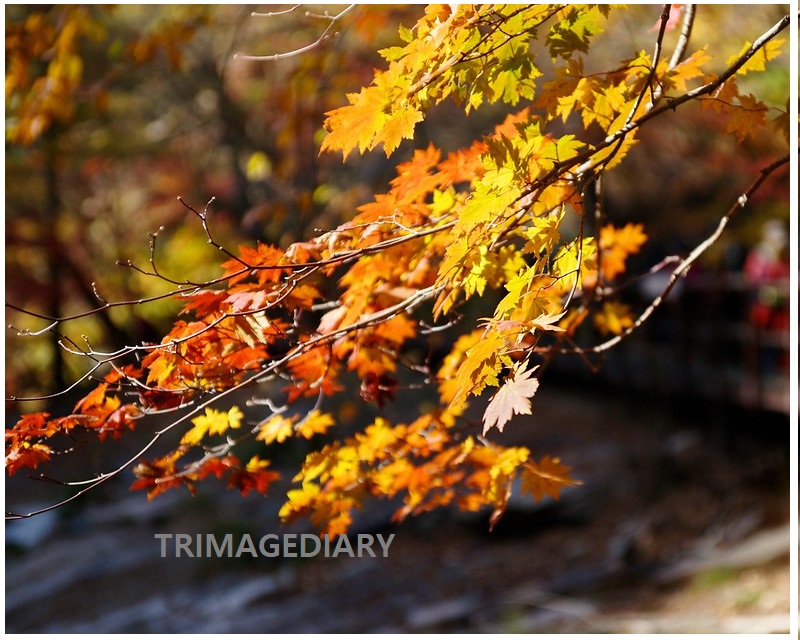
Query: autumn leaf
[
  {"x": 275, "y": 429},
  {"x": 547, "y": 478},
  {"x": 355, "y": 125},
  {"x": 299, "y": 501},
  {"x": 27, "y": 455},
  {"x": 254, "y": 477},
  {"x": 547, "y": 321},
  {"x": 399, "y": 125},
  {"x": 512, "y": 398},
  {"x": 757, "y": 62},
  {"x": 501, "y": 475},
  {"x": 480, "y": 367},
  {"x": 449, "y": 387},
  {"x": 690, "y": 68},
  {"x": 616, "y": 245},
  {"x": 614, "y": 318},
  {"x": 378, "y": 438},
  {"x": 212, "y": 423},
  {"x": 314, "y": 423},
  {"x": 477, "y": 257},
  {"x": 160, "y": 475},
  {"x": 32, "y": 425},
  {"x": 746, "y": 118}
]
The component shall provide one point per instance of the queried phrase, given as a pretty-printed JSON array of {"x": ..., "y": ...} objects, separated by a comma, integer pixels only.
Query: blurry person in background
[{"x": 766, "y": 270}]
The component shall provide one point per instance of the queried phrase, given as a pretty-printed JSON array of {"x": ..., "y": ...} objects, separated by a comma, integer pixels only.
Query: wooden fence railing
[{"x": 702, "y": 343}]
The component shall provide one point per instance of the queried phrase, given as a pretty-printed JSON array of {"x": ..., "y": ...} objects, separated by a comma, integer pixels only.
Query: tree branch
[
  {"x": 683, "y": 267},
  {"x": 280, "y": 56}
]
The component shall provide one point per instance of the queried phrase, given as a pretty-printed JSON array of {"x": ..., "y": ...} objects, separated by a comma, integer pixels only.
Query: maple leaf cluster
[{"x": 494, "y": 221}]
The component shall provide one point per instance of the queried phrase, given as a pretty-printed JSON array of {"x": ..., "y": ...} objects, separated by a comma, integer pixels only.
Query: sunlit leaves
[
  {"x": 254, "y": 477},
  {"x": 278, "y": 428},
  {"x": 574, "y": 262},
  {"x": 689, "y": 69},
  {"x": 481, "y": 366},
  {"x": 511, "y": 399},
  {"x": 27, "y": 455},
  {"x": 747, "y": 119},
  {"x": 757, "y": 61},
  {"x": 743, "y": 114},
  {"x": 399, "y": 126},
  {"x": 160, "y": 475},
  {"x": 449, "y": 385},
  {"x": 426, "y": 470},
  {"x": 493, "y": 244},
  {"x": 575, "y": 30},
  {"x": 369, "y": 119},
  {"x": 212, "y": 423},
  {"x": 464, "y": 56},
  {"x": 167, "y": 472}
]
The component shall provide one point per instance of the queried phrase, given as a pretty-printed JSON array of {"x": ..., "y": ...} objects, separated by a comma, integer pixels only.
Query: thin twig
[
  {"x": 683, "y": 267},
  {"x": 689, "y": 11},
  {"x": 288, "y": 54},
  {"x": 406, "y": 306}
]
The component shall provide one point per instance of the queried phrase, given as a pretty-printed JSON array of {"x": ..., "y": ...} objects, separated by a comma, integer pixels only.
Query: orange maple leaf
[
  {"x": 547, "y": 478},
  {"x": 617, "y": 245},
  {"x": 27, "y": 455}
]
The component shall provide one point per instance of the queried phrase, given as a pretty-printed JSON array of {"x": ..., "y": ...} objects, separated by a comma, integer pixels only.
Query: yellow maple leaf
[
  {"x": 160, "y": 369},
  {"x": 356, "y": 124},
  {"x": 256, "y": 464},
  {"x": 392, "y": 477},
  {"x": 399, "y": 125},
  {"x": 212, "y": 423},
  {"x": 376, "y": 440},
  {"x": 275, "y": 429},
  {"x": 501, "y": 476},
  {"x": 611, "y": 155},
  {"x": 573, "y": 261},
  {"x": 759, "y": 59},
  {"x": 448, "y": 384},
  {"x": 480, "y": 368},
  {"x": 746, "y": 118},
  {"x": 314, "y": 423},
  {"x": 299, "y": 501},
  {"x": 613, "y": 318}
]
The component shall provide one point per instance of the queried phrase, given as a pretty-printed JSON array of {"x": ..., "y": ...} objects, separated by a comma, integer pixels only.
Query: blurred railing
[
  {"x": 703, "y": 344},
  {"x": 749, "y": 336}
]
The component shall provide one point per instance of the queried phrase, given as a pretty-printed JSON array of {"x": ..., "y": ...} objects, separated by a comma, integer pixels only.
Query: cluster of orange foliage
[{"x": 484, "y": 221}]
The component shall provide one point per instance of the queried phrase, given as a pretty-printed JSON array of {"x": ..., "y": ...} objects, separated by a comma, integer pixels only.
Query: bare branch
[
  {"x": 689, "y": 11},
  {"x": 272, "y": 14},
  {"x": 648, "y": 85},
  {"x": 406, "y": 306},
  {"x": 683, "y": 267},
  {"x": 324, "y": 36}
]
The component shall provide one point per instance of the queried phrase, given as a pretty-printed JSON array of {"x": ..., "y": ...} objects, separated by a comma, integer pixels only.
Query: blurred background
[{"x": 680, "y": 435}]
